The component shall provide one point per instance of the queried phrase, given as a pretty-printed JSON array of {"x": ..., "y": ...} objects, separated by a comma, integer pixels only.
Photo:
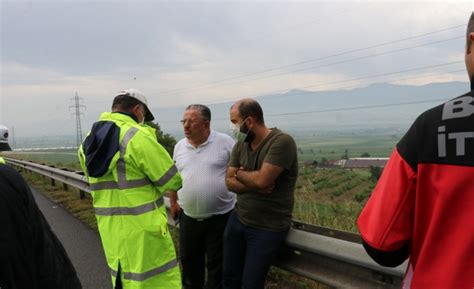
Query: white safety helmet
[
  {"x": 4, "y": 139},
  {"x": 135, "y": 93}
]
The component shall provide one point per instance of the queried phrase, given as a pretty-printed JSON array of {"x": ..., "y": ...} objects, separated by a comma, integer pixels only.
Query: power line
[
  {"x": 342, "y": 61},
  {"x": 345, "y": 80},
  {"x": 347, "y": 108},
  {"x": 357, "y": 107},
  {"x": 258, "y": 38},
  {"x": 385, "y": 74},
  {"x": 334, "y": 55},
  {"x": 414, "y": 77},
  {"x": 306, "y": 23},
  {"x": 350, "y": 108},
  {"x": 313, "y": 60}
]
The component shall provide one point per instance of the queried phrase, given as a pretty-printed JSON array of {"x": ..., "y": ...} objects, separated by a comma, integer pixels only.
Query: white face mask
[{"x": 235, "y": 130}]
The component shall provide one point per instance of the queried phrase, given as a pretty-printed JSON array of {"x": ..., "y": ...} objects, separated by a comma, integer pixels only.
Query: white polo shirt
[{"x": 203, "y": 170}]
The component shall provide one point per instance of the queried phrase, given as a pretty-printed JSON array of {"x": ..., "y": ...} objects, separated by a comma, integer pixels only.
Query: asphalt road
[{"x": 82, "y": 244}]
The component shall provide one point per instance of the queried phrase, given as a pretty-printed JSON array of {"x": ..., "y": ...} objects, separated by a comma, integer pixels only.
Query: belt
[{"x": 208, "y": 218}]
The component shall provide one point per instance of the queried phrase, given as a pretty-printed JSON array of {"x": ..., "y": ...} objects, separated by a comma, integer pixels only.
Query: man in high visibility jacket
[
  {"x": 2, "y": 161},
  {"x": 128, "y": 172}
]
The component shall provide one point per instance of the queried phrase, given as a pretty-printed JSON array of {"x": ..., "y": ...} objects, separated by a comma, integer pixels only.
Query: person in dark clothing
[{"x": 31, "y": 256}]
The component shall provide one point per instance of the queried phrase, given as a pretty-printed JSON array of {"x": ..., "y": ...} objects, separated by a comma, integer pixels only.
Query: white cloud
[{"x": 179, "y": 52}]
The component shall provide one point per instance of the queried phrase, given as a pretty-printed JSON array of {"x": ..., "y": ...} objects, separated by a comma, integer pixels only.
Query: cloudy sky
[{"x": 186, "y": 52}]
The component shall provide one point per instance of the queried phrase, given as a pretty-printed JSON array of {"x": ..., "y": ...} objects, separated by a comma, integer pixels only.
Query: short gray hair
[{"x": 204, "y": 110}]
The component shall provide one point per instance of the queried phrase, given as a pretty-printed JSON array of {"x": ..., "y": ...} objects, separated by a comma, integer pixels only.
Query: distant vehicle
[{"x": 4, "y": 146}]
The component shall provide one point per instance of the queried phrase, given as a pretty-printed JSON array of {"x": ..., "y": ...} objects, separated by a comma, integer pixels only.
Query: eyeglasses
[{"x": 190, "y": 121}]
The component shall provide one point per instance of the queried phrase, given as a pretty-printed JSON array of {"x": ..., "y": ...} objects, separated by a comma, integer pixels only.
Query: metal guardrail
[{"x": 329, "y": 256}]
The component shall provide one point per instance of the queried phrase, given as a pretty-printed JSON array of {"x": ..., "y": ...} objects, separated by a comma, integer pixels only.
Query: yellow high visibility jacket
[
  {"x": 2, "y": 161},
  {"x": 128, "y": 171}
]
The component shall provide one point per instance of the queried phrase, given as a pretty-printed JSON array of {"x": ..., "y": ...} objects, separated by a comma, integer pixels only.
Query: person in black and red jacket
[
  {"x": 423, "y": 205},
  {"x": 31, "y": 256}
]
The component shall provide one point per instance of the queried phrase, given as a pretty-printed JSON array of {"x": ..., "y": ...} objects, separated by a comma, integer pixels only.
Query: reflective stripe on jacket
[{"x": 128, "y": 200}]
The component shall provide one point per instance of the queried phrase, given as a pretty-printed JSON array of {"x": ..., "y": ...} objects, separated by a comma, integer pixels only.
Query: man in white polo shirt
[{"x": 203, "y": 203}]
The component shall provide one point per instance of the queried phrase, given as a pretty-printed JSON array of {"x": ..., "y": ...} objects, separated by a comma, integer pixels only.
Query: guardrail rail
[{"x": 329, "y": 256}]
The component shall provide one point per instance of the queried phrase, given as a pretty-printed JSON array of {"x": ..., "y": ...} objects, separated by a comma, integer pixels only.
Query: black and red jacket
[{"x": 423, "y": 204}]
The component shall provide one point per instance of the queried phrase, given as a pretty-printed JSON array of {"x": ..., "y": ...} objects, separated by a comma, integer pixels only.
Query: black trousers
[
  {"x": 118, "y": 280},
  {"x": 201, "y": 248}
]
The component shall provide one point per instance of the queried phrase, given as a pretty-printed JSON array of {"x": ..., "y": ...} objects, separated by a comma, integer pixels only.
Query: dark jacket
[{"x": 31, "y": 256}]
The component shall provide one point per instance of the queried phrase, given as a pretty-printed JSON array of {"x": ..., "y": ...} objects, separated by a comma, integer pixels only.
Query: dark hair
[
  {"x": 124, "y": 102},
  {"x": 204, "y": 110},
  {"x": 251, "y": 108},
  {"x": 470, "y": 24},
  {"x": 470, "y": 28}
]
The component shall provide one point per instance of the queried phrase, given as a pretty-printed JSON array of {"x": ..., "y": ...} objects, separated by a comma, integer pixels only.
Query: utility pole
[
  {"x": 77, "y": 112},
  {"x": 13, "y": 138}
]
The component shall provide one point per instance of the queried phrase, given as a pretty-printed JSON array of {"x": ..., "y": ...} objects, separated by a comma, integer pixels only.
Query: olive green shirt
[{"x": 268, "y": 210}]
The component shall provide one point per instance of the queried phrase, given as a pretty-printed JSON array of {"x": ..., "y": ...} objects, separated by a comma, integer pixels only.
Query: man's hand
[
  {"x": 232, "y": 183},
  {"x": 262, "y": 180},
  {"x": 174, "y": 206},
  {"x": 174, "y": 210}
]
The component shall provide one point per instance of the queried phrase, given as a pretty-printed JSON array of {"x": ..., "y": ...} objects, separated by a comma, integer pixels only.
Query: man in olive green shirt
[{"x": 262, "y": 172}]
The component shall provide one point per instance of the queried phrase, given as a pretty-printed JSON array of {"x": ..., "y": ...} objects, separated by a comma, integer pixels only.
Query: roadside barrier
[{"x": 329, "y": 256}]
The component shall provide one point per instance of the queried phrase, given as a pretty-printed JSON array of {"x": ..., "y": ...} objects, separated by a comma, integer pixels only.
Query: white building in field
[{"x": 361, "y": 163}]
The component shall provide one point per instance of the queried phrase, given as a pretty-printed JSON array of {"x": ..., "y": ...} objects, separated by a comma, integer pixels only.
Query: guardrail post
[
  {"x": 65, "y": 187},
  {"x": 82, "y": 194},
  {"x": 53, "y": 182}
]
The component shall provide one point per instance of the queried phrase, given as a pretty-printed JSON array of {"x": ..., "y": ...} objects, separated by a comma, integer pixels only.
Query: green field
[
  {"x": 330, "y": 197},
  {"x": 57, "y": 158},
  {"x": 327, "y": 197},
  {"x": 333, "y": 147},
  {"x": 310, "y": 147}
]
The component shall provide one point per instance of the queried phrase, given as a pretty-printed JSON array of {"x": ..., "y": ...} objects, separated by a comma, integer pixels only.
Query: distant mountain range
[
  {"x": 376, "y": 109},
  {"x": 379, "y": 106}
]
